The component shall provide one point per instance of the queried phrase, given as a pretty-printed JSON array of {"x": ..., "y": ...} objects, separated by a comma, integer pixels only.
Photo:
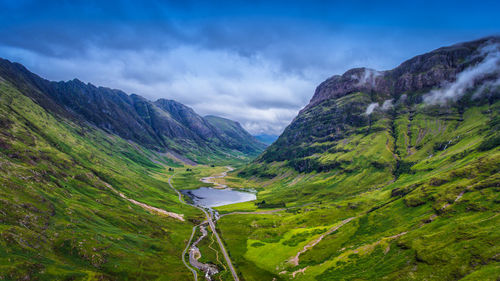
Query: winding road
[
  {"x": 212, "y": 227},
  {"x": 195, "y": 274}
]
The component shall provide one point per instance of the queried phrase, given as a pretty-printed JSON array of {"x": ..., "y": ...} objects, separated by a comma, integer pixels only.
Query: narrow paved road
[
  {"x": 214, "y": 230},
  {"x": 195, "y": 274}
]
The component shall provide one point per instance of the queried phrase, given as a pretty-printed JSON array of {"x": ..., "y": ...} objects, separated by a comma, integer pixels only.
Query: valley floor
[
  {"x": 376, "y": 235},
  {"x": 409, "y": 198},
  {"x": 332, "y": 241}
]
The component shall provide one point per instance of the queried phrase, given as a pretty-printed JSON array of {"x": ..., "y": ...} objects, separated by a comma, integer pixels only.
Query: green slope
[
  {"x": 59, "y": 220},
  {"x": 236, "y": 135},
  {"x": 406, "y": 193},
  {"x": 442, "y": 239},
  {"x": 163, "y": 125}
]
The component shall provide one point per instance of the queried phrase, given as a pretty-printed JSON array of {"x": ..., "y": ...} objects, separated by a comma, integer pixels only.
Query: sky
[{"x": 255, "y": 62}]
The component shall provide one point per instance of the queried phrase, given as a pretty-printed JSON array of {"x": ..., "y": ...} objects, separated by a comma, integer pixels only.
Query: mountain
[
  {"x": 235, "y": 135},
  {"x": 267, "y": 139},
  {"x": 163, "y": 125},
  {"x": 64, "y": 185},
  {"x": 386, "y": 175},
  {"x": 338, "y": 109},
  {"x": 84, "y": 184}
]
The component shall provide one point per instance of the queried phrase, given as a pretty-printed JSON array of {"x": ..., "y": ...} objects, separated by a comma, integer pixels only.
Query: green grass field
[
  {"x": 421, "y": 187},
  {"x": 426, "y": 210},
  {"x": 59, "y": 219}
]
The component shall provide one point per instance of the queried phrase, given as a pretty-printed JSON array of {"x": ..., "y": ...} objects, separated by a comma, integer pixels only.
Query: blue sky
[{"x": 257, "y": 62}]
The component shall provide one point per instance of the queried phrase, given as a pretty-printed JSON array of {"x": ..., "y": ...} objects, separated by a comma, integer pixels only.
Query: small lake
[{"x": 214, "y": 197}]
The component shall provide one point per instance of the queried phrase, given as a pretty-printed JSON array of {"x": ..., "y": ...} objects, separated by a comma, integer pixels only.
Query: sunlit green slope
[
  {"x": 59, "y": 219},
  {"x": 406, "y": 192}
]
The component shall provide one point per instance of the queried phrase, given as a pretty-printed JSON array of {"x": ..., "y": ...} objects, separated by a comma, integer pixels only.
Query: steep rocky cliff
[{"x": 441, "y": 84}]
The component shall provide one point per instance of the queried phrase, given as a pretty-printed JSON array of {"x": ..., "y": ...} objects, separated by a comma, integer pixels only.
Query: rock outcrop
[{"x": 343, "y": 104}]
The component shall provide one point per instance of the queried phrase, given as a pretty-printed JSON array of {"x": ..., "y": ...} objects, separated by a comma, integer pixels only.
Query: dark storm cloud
[{"x": 257, "y": 62}]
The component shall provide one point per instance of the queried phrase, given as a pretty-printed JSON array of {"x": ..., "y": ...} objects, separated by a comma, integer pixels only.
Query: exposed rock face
[
  {"x": 417, "y": 74},
  {"x": 339, "y": 107},
  {"x": 161, "y": 125}
]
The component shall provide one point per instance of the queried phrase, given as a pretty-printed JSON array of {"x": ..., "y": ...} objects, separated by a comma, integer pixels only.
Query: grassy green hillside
[
  {"x": 422, "y": 188},
  {"x": 409, "y": 191},
  {"x": 163, "y": 125},
  {"x": 59, "y": 220},
  {"x": 237, "y": 135}
]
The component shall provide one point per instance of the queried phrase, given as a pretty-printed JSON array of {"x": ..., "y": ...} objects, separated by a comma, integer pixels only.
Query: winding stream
[
  {"x": 195, "y": 254},
  {"x": 205, "y": 198}
]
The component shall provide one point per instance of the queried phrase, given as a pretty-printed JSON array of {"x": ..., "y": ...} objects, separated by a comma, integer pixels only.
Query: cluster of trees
[{"x": 264, "y": 204}]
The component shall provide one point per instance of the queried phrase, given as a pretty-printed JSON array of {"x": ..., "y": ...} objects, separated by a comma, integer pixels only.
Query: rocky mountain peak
[
  {"x": 352, "y": 103},
  {"x": 420, "y": 73},
  {"x": 163, "y": 125}
]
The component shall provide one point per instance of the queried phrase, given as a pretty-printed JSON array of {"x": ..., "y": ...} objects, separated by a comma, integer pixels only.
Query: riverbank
[{"x": 211, "y": 223}]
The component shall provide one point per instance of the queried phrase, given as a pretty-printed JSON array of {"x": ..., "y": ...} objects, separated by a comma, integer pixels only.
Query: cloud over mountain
[{"x": 235, "y": 59}]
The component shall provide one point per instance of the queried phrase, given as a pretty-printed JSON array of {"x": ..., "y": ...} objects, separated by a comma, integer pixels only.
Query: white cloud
[
  {"x": 487, "y": 88},
  {"x": 250, "y": 90},
  {"x": 466, "y": 79},
  {"x": 371, "y": 107},
  {"x": 387, "y": 105},
  {"x": 368, "y": 77}
]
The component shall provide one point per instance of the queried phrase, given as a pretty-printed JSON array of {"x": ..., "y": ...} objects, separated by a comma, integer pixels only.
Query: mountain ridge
[
  {"x": 266, "y": 138},
  {"x": 394, "y": 178},
  {"x": 161, "y": 125},
  {"x": 359, "y": 88},
  {"x": 399, "y": 79},
  {"x": 235, "y": 134}
]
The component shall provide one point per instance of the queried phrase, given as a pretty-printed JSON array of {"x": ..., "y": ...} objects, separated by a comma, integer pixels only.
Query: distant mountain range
[
  {"x": 163, "y": 125},
  {"x": 267, "y": 139}
]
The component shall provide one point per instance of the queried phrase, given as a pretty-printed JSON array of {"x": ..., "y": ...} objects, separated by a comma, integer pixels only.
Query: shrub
[
  {"x": 437, "y": 181},
  {"x": 263, "y": 204},
  {"x": 257, "y": 244},
  {"x": 403, "y": 167},
  {"x": 414, "y": 201},
  {"x": 401, "y": 191},
  {"x": 489, "y": 143}
]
